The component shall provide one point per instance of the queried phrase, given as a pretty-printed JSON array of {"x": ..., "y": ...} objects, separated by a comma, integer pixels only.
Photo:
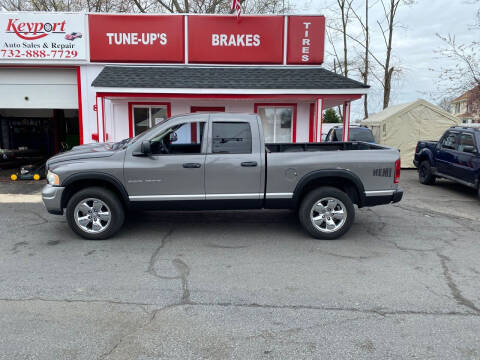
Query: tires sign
[{"x": 42, "y": 37}]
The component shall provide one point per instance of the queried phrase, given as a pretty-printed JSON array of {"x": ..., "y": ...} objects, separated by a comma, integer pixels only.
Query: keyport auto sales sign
[{"x": 43, "y": 37}]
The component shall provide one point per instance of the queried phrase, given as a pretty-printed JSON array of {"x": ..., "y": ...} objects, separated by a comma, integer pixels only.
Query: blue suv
[{"x": 455, "y": 157}]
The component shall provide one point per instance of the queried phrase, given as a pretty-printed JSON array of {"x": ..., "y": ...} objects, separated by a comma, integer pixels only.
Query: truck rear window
[{"x": 231, "y": 138}]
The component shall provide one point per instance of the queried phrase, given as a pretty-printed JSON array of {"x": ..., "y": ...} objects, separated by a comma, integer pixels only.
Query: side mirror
[
  {"x": 146, "y": 147},
  {"x": 469, "y": 149},
  {"x": 173, "y": 137}
]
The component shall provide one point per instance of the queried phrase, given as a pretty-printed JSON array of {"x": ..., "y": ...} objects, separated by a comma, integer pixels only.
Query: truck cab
[{"x": 456, "y": 156}]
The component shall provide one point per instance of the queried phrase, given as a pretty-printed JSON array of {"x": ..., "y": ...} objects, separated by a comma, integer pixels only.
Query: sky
[{"x": 415, "y": 46}]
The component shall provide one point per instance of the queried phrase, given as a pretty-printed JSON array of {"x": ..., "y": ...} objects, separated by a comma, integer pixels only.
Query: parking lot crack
[
  {"x": 455, "y": 291},
  {"x": 184, "y": 271},
  {"x": 154, "y": 258}
]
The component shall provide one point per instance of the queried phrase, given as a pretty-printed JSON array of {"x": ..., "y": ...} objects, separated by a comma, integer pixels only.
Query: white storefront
[{"x": 52, "y": 61}]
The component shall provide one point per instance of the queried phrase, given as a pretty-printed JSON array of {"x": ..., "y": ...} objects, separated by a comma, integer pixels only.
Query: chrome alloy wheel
[
  {"x": 328, "y": 214},
  {"x": 92, "y": 215}
]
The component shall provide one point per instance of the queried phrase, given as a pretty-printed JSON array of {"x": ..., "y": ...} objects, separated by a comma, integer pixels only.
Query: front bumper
[
  {"x": 384, "y": 199},
  {"x": 52, "y": 199}
]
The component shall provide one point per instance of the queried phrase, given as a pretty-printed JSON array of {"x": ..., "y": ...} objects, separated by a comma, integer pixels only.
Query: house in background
[
  {"x": 402, "y": 126},
  {"x": 467, "y": 106}
]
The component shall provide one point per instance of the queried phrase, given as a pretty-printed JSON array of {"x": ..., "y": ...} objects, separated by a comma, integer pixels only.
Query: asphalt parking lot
[{"x": 404, "y": 283}]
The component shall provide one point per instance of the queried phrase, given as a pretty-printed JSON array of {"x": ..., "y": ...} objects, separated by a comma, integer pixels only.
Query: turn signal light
[
  {"x": 53, "y": 178},
  {"x": 396, "y": 179}
]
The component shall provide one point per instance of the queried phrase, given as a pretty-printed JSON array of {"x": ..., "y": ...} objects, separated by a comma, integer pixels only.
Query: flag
[{"x": 237, "y": 6}]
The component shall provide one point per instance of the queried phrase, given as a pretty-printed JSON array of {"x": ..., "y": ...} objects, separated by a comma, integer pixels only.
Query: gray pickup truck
[{"x": 219, "y": 161}]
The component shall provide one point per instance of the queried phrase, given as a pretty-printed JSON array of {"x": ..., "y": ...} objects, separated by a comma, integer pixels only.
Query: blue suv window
[{"x": 450, "y": 141}]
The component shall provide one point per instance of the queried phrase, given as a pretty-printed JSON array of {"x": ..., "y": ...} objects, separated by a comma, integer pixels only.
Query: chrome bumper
[{"x": 52, "y": 199}]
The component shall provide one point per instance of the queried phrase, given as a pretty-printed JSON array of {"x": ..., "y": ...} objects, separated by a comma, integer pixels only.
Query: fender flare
[
  {"x": 330, "y": 173},
  {"x": 112, "y": 180},
  {"x": 426, "y": 152}
]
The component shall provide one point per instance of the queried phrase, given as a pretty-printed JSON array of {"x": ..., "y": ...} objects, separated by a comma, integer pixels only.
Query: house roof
[
  {"x": 396, "y": 110},
  {"x": 222, "y": 78},
  {"x": 467, "y": 94}
]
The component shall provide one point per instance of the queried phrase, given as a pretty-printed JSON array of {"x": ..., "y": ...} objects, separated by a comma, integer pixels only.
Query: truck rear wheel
[
  {"x": 95, "y": 213},
  {"x": 326, "y": 213},
  {"x": 425, "y": 175}
]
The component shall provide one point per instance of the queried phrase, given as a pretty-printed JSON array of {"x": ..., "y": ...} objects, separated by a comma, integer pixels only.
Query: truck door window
[
  {"x": 231, "y": 138},
  {"x": 450, "y": 141},
  {"x": 179, "y": 139},
  {"x": 466, "y": 143}
]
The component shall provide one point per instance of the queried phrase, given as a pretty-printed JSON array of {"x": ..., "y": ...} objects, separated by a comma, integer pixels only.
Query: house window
[
  {"x": 457, "y": 108},
  {"x": 146, "y": 116},
  {"x": 278, "y": 122}
]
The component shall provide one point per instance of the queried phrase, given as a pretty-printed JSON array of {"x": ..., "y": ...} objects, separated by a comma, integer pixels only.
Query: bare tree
[
  {"x": 68, "y": 5},
  {"x": 144, "y": 6},
  {"x": 211, "y": 6},
  {"x": 387, "y": 27},
  {"x": 462, "y": 74}
]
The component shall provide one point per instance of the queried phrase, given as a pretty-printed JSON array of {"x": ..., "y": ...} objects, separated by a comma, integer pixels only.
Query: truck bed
[{"x": 323, "y": 146}]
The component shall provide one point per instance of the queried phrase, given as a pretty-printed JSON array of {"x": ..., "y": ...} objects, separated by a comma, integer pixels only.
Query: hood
[{"x": 87, "y": 151}]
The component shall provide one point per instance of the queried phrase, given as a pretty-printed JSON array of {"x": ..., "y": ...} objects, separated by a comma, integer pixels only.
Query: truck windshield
[
  {"x": 357, "y": 134},
  {"x": 134, "y": 139}
]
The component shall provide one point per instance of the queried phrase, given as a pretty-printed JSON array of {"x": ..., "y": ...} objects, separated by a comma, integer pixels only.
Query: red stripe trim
[
  {"x": 292, "y": 97},
  {"x": 80, "y": 113},
  {"x": 311, "y": 124}
]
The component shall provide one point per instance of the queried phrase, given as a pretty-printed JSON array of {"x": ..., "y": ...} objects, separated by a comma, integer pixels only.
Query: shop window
[
  {"x": 146, "y": 116},
  {"x": 277, "y": 122},
  {"x": 231, "y": 138},
  {"x": 177, "y": 140}
]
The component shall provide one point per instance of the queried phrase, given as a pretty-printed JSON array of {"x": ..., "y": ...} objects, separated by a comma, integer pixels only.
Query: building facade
[{"x": 80, "y": 78}]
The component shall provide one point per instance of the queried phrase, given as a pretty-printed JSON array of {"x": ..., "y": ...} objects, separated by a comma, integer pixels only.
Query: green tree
[{"x": 331, "y": 117}]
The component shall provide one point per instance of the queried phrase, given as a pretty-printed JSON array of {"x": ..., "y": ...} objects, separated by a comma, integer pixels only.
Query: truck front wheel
[
  {"x": 95, "y": 213},
  {"x": 326, "y": 213}
]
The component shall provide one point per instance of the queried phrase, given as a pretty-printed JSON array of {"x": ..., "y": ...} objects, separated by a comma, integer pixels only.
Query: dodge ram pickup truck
[
  {"x": 455, "y": 157},
  {"x": 219, "y": 161}
]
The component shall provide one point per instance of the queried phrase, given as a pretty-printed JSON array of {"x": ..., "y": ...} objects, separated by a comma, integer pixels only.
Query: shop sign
[
  {"x": 226, "y": 40},
  {"x": 42, "y": 36},
  {"x": 133, "y": 38},
  {"x": 306, "y": 40}
]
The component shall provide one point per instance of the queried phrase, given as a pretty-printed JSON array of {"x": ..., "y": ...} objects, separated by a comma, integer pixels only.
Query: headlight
[{"x": 53, "y": 178}]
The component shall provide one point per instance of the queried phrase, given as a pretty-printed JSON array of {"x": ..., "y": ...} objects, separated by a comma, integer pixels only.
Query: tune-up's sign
[
  {"x": 42, "y": 36},
  {"x": 137, "y": 38}
]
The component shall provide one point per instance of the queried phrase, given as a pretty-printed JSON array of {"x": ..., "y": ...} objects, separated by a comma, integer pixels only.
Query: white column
[
  {"x": 318, "y": 119},
  {"x": 346, "y": 120}
]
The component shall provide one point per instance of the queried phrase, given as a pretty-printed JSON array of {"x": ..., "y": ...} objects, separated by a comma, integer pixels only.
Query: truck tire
[
  {"x": 425, "y": 175},
  {"x": 95, "y": 213},
  {"x": 326, "y": 213}
]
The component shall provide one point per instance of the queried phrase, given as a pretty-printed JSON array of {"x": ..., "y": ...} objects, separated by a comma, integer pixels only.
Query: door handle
[
  {"x": 249, "y": 163},
  {"x": 191, "y": 165}
]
